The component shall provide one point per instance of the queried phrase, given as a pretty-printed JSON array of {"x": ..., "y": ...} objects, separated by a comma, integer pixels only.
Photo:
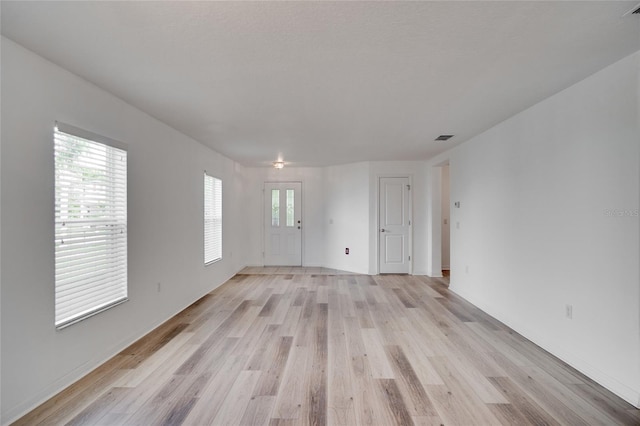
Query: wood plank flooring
[{"x": 294, "y": 347}]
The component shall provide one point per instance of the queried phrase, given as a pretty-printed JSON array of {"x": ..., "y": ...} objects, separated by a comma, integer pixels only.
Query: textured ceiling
[{"x": 319, "y": 83}]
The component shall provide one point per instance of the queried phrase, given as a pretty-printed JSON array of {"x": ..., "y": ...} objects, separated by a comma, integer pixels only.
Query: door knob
[{"x": 382, "y": 230}]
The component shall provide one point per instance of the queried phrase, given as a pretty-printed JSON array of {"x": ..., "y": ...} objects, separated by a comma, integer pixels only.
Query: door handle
[{"x": 382, "y": 230}]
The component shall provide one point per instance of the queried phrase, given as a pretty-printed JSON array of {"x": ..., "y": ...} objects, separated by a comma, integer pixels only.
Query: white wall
[
  {"x": 347, "y": 217},
  {"x": 1, "y": 411},
  {"x": 638, "y": 125},
  {"x": 536, "y": 232},
  {"x": 165, "y": 227}
]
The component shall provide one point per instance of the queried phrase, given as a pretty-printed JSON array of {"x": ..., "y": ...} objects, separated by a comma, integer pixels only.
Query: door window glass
[{"x": 275, "y": 208}]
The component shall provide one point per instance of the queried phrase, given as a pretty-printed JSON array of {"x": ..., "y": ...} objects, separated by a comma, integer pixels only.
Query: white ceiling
[{"x": 321, "y": 83}]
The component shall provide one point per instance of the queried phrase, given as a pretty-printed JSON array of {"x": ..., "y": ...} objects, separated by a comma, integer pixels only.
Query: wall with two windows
[{"x": 165, "y": 225}]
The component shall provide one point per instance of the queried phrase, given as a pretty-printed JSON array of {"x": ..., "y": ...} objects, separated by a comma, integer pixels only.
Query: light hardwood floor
[{"x": 300, "y": 348}]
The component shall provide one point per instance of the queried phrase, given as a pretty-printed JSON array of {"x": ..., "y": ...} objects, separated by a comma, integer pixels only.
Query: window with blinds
[
  {"x": 90, "y": 224},
  {"x": 212, "y": 219}
]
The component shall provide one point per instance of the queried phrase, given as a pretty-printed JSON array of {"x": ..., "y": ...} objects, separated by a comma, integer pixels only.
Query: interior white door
[
  {"x": 395, "y": 225},
  {"x": 283, "y": 224}
]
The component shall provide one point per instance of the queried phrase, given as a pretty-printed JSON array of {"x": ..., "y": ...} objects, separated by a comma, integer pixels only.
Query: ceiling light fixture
[
  {"x": 278, "y": 164},
  {"x": 444, "y": 137}
]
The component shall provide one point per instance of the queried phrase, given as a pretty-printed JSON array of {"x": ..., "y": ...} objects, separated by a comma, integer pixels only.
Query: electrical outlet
[
  {"x": 568, "y": 311},
  {"x": 159, "y": 285},
  {"x": 346, "y": 250}
]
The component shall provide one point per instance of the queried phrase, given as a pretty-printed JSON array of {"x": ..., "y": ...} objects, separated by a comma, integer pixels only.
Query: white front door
[
  {"x": 283, "y": 224},
  {"x": 395, "y": 225}
]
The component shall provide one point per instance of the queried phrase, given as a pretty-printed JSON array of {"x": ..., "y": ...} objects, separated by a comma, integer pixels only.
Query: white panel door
[
  {"x": 395, "y": 226},
  {"x": 283, "y": 224}
]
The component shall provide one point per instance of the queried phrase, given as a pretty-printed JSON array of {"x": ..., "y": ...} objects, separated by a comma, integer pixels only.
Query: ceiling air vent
[
  {"x": 634, "y": 11},
  {"x": 444, "y": 137}
]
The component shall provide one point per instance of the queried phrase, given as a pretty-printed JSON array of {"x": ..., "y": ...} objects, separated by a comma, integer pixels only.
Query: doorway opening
[
  {"x": 436, "y": 206},
  {"x": 446, "y": 223}
]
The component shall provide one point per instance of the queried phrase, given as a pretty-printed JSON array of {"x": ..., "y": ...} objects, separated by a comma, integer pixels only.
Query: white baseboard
[
  {"x": 15, "y": 413},
  {"x": 632, "y": 396}
]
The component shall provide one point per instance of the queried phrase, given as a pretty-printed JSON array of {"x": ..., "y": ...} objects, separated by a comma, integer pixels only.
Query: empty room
[{"x": 320, "y": 212}]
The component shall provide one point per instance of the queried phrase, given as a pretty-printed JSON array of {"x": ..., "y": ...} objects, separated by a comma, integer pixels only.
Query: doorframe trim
[
  {"x": 302, "y": 217},
  {"x": 377, "y": 221},
  {"x": 434, "y": 219}
]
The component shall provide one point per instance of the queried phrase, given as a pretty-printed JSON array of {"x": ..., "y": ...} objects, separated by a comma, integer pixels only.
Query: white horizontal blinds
[
  {"x": 90, "y": 225},
  {"x": 212, "y": 219}
]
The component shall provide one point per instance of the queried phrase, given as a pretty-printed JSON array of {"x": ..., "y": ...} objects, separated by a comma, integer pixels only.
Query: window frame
[
  {"x": 214, "y": 208},
  {"x": 109, "y": 222}
]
